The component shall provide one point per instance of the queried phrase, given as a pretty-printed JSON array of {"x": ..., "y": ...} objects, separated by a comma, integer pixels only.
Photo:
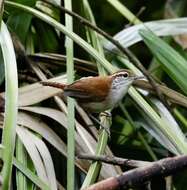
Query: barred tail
[{"x": 53, "y": 84}]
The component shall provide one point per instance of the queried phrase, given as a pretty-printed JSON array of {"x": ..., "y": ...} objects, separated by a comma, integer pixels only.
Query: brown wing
[{"x": 89, "y": 89}]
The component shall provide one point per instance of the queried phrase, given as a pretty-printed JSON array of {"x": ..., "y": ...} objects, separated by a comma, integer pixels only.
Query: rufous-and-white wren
[{"x": 100, "y": 93}]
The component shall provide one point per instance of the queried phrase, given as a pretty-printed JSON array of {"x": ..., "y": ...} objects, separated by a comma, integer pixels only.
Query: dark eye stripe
[
  {"x": 125, "y": 74},
  {"x": 122, "y": 75}
]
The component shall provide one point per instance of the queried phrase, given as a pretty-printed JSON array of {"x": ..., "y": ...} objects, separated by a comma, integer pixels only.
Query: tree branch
[
  {"x": 114, "y": 160},
  {"x": 139, "y": 176}
]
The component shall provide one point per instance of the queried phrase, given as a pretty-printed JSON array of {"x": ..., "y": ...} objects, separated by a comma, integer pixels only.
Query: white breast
[{"x": 117, "y": 94}]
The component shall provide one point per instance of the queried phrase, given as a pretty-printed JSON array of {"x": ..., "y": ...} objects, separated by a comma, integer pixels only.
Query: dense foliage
[{"x": 43, "y": 131}]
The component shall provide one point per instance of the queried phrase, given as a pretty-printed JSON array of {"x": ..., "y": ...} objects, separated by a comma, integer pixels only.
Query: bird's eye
[{"x": 125, "y": 75}]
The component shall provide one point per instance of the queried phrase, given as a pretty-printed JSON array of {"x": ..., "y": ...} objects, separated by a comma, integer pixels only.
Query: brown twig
[
  {"x": 114, "y": 160},
  {"x": 141, "y": 10},
  {"x": 21, "y": 53},
  {"x": 58, "y": 60},
  {"x": 132, "y": 58},
  {"x": 27, "y": 78},
  {"x": 2, "y": 106},
  {"x": 171, "y": 95},
  {"x": 139, "y": 176}
]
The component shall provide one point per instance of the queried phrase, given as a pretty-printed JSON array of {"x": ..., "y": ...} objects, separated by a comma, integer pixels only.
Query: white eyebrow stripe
[{"x": 120, "y": 73}]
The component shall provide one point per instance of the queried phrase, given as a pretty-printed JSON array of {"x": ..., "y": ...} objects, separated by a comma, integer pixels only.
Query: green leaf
[
  {"x": 47, "y": 38},
  {"x": 124, "y": 11},
  {"x": 11, "y": 97},
  {"x": 71, "y": 102},
  {"x": 33, "y": 152},
  {"x": 20, "y": 23},
  {"x": 21, "y": 155},
  {"x": 31, "y": 175},
  {"x": 171, "y": 61}
]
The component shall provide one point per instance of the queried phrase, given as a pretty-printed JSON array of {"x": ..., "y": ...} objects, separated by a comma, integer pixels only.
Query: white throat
[{"x": 118, "y": 92}]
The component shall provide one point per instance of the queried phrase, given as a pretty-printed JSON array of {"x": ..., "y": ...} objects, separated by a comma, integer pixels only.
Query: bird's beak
[{"x": 139, "y": 77}]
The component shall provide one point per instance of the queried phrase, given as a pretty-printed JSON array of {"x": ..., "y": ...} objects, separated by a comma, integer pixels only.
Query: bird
[{"x": 97, "y": 94}]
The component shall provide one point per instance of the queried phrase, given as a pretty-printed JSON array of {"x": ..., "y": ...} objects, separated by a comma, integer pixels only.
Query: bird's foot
[{"x": 107, "y": 129}]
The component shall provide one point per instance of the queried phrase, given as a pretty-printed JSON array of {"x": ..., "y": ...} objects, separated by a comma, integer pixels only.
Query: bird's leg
[
  {"x": 102, "y": 126},
  {"x": 108, "y": 115}
]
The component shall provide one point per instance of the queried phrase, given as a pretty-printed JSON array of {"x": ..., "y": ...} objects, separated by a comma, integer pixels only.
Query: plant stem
[{"x": 70, "y": 102}]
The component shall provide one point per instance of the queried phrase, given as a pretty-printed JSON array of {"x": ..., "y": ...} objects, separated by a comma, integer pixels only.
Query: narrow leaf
[
  {"x": 171, "y": 61},
  {"x": 11, "y": 96}
]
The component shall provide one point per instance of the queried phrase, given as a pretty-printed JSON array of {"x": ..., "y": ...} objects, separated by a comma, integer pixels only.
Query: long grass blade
[
  {"x": 170, "y": 60},
  {"x": 30, "y": 175},
  {"x": 168, "y": 27},
  {"x": 41, "y": 128},
  {"x": 124, "y": 11},
  {"x": 70, "y": 101},
  {"x": 21, "y": 155},
  {"x": 47, "y": 160},
  {"x": 33, "y": 153},
  {"x": 11, "y": 96}
]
